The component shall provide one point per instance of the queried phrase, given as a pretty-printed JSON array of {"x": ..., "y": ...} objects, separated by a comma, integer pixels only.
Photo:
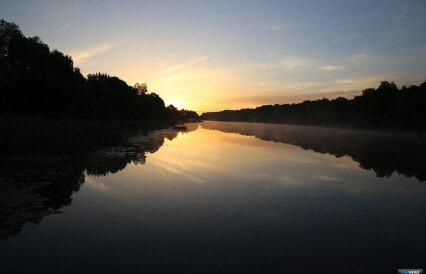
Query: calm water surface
[{"x": 220, "y": 198}]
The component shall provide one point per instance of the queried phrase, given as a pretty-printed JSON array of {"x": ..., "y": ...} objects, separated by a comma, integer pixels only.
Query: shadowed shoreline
[
  {"x": 48, "y": 106},
  {"x": 33, "y": 187}
]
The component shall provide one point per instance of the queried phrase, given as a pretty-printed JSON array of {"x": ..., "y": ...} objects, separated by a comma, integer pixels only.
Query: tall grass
[{"x": 26, "y": 135}]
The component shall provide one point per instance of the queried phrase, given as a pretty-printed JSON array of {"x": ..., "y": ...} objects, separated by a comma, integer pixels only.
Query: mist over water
[
  {"x": 383, "y": 152},
  {"x": 222, "y": 197}
]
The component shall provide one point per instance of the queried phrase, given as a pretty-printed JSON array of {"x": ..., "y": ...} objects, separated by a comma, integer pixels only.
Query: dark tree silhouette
[
  {"x": 39, "y": 82},
  {"x": 384, "y": 107}
]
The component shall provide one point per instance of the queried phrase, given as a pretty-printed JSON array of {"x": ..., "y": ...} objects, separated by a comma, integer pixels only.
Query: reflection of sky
[
  {"x": 237, "y": 202},
  {"x": 209, "y": 55},
  {"x": 210, "y": 158}
]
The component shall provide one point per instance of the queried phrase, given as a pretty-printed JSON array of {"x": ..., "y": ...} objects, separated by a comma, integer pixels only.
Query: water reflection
[
  {"x": 34, "y": 187},
  {"x": 383, "y": 152},
  {"x": 216, "y": 202}
]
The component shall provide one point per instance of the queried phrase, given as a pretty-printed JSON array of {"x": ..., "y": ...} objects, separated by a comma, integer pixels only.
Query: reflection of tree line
[
  {"x": 383, "y": 152},
  {"x": 33, "y": 188}
]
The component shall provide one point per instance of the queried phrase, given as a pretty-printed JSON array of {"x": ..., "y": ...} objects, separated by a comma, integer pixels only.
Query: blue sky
[{"x": 211, "y": 55}]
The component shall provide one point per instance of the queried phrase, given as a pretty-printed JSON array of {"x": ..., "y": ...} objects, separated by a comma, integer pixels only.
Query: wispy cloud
[
  {"x": 360, "y": 59},
  {"x": 283, "y": 62},
  {"x": 326, "y": 178},
  {"x": 191, "y": 83},
  {"x": 292, "y": 62},
  {"x": 80, "y": 56},
  {"x": 302, "y": 95},
  {"x": 275, "y": 26},
  {"x": 185, "y": 65},
  {"x": 301, "y": 63},
  {"x": 359, "y": 83},
  {"x": 296, "y": 92},
  {"x": 331, "y": 68}
]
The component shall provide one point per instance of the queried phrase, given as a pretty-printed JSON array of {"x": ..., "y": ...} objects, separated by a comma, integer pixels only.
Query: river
[{"x": 220, "y": 197}]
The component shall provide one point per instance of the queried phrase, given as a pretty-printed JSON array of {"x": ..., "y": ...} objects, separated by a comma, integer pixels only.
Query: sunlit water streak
[{"x": 214, "y": 200}]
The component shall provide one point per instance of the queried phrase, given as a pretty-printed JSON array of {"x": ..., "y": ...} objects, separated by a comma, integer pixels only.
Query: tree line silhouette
[
  {"x": 39, "y": 82},
  {"x": 384, "y": 107}
]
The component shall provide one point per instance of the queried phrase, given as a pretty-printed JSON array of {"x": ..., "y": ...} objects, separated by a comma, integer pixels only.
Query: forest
[
  {"x": 384, "y": 107},
  {"x": 40, "y": 82},
  {"x": 48, "y": 106}
]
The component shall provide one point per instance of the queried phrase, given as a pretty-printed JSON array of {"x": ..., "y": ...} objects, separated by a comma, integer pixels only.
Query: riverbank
[{"x": 32, "y": 135}]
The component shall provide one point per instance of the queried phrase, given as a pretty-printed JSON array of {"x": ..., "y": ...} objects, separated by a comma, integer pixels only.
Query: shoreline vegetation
[
  {"x": 34, "y": 135},
  {"x": 386, "y": 107},
  {"x": 48, "y": 106}
]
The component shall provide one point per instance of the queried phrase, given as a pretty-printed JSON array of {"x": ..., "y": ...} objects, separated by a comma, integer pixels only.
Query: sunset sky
[{"x": 214, "y": 55}]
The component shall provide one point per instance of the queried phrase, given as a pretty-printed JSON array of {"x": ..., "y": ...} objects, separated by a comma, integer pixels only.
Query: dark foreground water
[{"x": 220, "y": 198}]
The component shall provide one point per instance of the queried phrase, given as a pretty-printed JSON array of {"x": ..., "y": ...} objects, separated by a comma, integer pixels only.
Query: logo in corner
[{"x": 410, "y": 271}]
